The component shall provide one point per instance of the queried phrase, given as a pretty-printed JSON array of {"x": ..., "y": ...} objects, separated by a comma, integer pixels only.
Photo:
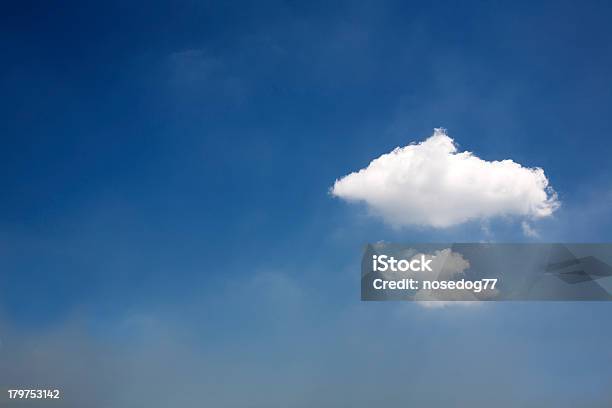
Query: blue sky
[{"x": 165, "y": 173}]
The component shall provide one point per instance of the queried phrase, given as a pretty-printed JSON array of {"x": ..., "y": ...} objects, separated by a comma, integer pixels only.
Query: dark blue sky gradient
[{"x": 173, "y": 160}]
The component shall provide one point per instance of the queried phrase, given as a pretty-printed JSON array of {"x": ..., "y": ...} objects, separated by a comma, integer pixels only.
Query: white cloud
[
  {"x": 528, "y": 230},
  {"x": 431, "y": 184},
  {"x": 447, "y": 265}
]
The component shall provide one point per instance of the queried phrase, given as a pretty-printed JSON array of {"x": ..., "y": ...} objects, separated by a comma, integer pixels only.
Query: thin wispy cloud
[{"x": 528, "y": 230}]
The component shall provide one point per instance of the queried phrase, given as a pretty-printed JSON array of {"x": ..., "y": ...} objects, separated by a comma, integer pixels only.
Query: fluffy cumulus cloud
[{"x": 432, "y": 184}]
